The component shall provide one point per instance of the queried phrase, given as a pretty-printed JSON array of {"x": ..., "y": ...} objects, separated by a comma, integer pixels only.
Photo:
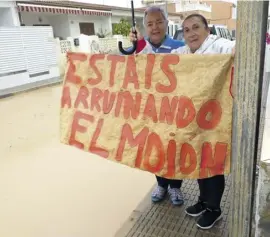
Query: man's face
[{"x": 156, "y": 27}]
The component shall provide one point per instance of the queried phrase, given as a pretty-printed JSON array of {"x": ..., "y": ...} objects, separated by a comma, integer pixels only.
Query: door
[{"x": 87, "y": 28}]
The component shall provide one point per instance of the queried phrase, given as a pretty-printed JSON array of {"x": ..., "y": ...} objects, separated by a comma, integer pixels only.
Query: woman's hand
[
  {"x": 233, "y": 51},
  {"x": 134, "y": 37}
]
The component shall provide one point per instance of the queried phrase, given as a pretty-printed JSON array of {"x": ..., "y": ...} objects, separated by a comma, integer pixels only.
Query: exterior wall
[
  {"x": 223, "y": 13},
  {"x": 207, "y": 15},
  {"x": 221, "y": 10},
  {"x": 116, "y": 19},
  {"x": 100, "y": 23},
  {"x": 187, "y": 8},
  {"x": 31, "y": 18},
  {"x": 7, "y": 4},
  {"x": 231, "y": 23},
  {"x": 6, "y": 17},
  {"x": 59, "y": 23},
  {"x": 175, "y": 19},
  {"x": 8, "y": 14},
  {"x": 171, "y": 8},
  {"x": 29, "y": 56},
  {"x": 122, "y": 13},
  {"x": 66, "y": 25},
  {"x": 118, "y": 3}
]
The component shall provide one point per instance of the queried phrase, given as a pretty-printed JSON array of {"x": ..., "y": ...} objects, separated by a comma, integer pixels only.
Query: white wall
[
  {"x": 116, "y": 19},
  {"x": 60, "y": 25},
  {"x": 67, "y": 25},
  {"x": 122, "y": 13},
  {"x": 30, "y": 18},
  {"x": 99, "y": 22},
  {"x": 118, "y": 3},
  {"x": 59, "y": 22},
  {"x": 8, "y": 14},
  {"x": 29, "y": 52},
  {"x": 7, "y": 3},
  {"x": 6, "y": 17}
]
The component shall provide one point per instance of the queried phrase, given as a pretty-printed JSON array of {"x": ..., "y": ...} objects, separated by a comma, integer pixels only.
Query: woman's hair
[
  {"x": 154, "y": 9},
  {"x": 201, "y": 17}
]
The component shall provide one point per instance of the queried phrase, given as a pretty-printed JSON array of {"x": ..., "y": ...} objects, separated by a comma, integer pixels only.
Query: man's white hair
[{"x": 154, "y": 9}]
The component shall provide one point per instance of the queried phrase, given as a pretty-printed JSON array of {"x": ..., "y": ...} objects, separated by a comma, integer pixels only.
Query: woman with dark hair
[{"x": 199, "y": 41}]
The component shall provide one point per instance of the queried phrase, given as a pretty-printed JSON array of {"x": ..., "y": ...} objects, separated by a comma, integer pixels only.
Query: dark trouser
[
  {"x": 211, "y": 190},
  {"x": 164, "y": 183}
]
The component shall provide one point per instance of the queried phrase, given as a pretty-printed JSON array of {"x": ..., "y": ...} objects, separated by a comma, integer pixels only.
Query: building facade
[
  {"x": 223, "y": 14},
  {"x": 216, "y": 12}
]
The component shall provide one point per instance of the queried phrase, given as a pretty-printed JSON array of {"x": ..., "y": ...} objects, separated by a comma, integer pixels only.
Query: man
[{"x": 156, "y": 24}]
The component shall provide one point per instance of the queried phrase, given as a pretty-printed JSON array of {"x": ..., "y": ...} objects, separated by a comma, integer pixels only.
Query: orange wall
[
  {"x": 222, "y": 13},
  {"x": 171, "y": 8},
  {"x": 207, "y": 15},
  {"x": 220, "y": 10}
]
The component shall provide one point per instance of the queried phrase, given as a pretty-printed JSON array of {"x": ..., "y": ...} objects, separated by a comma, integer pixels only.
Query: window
[
  {"x": 179, "y": 35},
  {"x": 87, "y": 28},
  {"x": 219, "y": 33},
  {"x": 233, "y": 33}
]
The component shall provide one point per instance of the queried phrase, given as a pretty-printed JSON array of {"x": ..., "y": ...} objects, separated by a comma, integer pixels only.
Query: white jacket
[{"x": 212, "y": 45}]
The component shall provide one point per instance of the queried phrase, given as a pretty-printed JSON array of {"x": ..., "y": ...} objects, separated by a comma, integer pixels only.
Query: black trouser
[
  {"x": 211, "y": 190},
  {"x": 164, "y": 183}
]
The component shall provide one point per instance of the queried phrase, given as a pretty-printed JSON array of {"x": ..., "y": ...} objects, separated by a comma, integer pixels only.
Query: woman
[{"x": 199, "y": 41}]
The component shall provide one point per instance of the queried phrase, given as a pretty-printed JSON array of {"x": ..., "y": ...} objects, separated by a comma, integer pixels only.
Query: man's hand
[{"x": 134, "y": 37}]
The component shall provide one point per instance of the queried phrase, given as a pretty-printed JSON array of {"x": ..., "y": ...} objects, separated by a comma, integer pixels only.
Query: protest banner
[{"x": 167, "y": 114}]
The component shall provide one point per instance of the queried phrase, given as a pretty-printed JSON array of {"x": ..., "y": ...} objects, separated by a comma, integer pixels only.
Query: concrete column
[
  {"x": 250, "y": 51},
  {"x": 15, "y": 16}
]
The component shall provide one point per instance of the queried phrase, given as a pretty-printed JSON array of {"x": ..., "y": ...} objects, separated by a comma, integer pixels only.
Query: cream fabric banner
[{"x": 167, "y": 114}]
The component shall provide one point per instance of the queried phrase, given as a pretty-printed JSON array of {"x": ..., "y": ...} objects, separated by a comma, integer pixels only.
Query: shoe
[
  {"x": 176, "y": 196},
  {"x": 197, "y": 209},
  {"x": 159, "y": 194},
  {"x": 209, "y": 218}
]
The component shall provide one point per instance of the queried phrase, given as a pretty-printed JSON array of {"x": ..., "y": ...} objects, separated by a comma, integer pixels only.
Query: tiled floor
[{"x": 164, "y": 220}]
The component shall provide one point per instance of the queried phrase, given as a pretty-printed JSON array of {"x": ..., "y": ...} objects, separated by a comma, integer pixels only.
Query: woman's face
[{"x": 195, "y": 33}]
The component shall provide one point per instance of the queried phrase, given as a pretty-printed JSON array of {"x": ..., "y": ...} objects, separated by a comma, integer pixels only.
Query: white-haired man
[{"x": 156, "y": 24}]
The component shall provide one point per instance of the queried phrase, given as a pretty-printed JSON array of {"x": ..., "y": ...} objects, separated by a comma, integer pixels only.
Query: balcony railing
[
  {"x": 185, "y": 7},
  {"x": 157, "y": 2},
  {"x": 146, "y": 2}
]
